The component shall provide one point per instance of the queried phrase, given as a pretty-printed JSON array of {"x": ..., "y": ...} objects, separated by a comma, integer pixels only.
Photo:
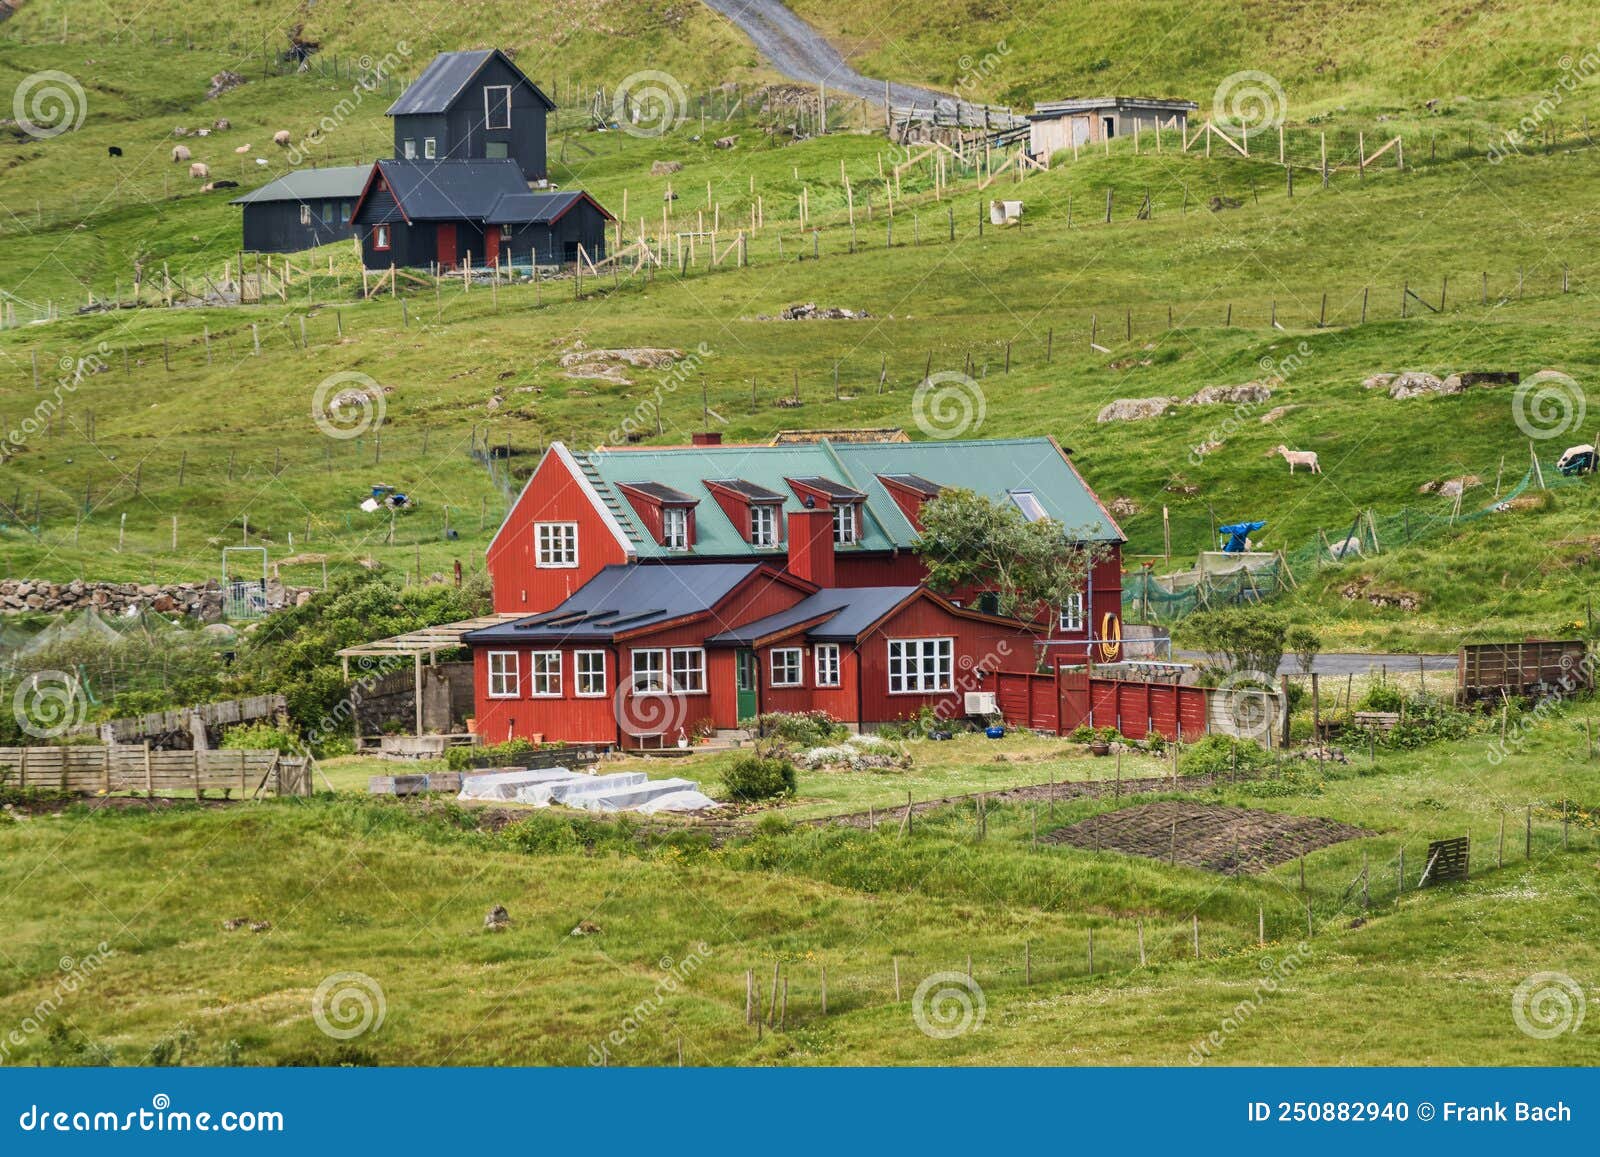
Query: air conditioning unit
[{"x": 982, "y": 703}]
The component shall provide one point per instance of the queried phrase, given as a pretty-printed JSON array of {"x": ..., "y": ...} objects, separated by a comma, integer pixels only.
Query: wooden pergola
[{"x": 427, "y": 642}]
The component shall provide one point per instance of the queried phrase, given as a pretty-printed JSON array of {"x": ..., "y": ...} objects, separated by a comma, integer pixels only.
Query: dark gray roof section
[
  {"x": 832, "y": 488},
  {"x": 623, "y": 598},
  {"x": 446, "y": 75},
  {"x": 915, "y": 482},
  {"x": 310, "y": 185},
  {"x": 525, "y": 208},
  {"x": 750, "y": 490},
  {"x": 1050, "y": 109},
  {"x": 850, "y": 611},
  {"x": 451, "y": 190},
  {"x": 661, "y": 492}
]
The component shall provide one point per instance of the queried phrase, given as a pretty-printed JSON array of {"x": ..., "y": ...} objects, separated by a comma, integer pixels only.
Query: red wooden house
[{"x": 684, "y": 589}]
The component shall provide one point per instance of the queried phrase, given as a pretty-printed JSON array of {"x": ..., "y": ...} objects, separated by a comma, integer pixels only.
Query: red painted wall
[
  {"x": 553, "y": 495},
  {"x": 585, "y": 720},
  {"x": 979, "y": 646}
]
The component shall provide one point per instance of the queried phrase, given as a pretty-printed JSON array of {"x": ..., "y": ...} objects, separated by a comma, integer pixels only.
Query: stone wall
[{"x": 203, "y": 601}]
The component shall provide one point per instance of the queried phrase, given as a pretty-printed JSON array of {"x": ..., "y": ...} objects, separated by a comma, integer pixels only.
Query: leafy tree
[
  {"x": 972, "y": 542},
  {"x": 1305, "y": 643},
  {"x": 1241, "y": 638}
]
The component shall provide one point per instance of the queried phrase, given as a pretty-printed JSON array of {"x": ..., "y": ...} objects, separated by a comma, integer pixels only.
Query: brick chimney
[
  {"x": 811, "y": 546},
  {"x": 709, "y": 438}
]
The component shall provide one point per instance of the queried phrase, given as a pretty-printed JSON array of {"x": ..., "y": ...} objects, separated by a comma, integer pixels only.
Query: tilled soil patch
[{"x": 1215, "y": 837}]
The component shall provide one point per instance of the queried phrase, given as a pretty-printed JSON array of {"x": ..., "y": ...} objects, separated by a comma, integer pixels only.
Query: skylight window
[{"x": 1028, "y": 502}]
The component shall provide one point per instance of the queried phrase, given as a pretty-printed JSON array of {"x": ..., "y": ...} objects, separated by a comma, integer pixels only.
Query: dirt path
[{"x": 798, "y": 50}]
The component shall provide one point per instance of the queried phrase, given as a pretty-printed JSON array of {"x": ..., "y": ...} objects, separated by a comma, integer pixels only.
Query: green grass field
[{"x": 396, "y": 892}]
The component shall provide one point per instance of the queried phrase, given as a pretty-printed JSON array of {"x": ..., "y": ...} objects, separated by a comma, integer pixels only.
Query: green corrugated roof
[
  {"x": 988, "y": 467},
  {"x": 310, "y": 185}
]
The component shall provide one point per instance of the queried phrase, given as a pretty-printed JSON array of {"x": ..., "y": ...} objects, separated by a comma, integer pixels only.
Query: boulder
[
  {"x": 665, "y": 168},
  {"x": 1135, "y": 409},
  {"x": 1251, "y": 393}
]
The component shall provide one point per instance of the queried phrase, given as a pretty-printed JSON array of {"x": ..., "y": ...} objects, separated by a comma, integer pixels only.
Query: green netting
[{"x": 1151, "y": 598}]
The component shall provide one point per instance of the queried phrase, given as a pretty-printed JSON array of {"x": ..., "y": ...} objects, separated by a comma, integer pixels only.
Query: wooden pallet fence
[{"x": 85, "y": 770}]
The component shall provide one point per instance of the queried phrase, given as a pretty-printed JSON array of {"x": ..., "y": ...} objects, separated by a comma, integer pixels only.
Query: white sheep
[
  {"x": 1299, "y": 458},
  {"x": 242, "y": 150},
  {"x": 1345, "y": 548},
  {"x": 180, "y": 154},
  {"x": 282, "y": 137},
  {"x": 200, "y": 171}
]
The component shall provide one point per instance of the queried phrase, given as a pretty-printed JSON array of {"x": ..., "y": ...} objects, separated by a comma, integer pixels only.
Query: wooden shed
[
  {"x": 1056, "y": 126},
  {"x": 302, "y": 210}
]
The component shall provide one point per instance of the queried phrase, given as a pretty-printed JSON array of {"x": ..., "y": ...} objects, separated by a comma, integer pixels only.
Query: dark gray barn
[
  {"x": 419, "y": 214},
  {"x": 303, "y": 209},
  {"x": 473, "y": 106}
]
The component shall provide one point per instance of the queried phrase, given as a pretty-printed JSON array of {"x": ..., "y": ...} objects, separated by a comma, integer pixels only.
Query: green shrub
[
  {"x": 798, "y": 728},
  {"x": 753, "y": 777},
  {"x": 774, "y": 824},
  {"x": 1221, "y": 755},
  {"x": 261, "y": 737},
  {"x": 1382, "y": 697},
  {"x": 491, "y": 754}
]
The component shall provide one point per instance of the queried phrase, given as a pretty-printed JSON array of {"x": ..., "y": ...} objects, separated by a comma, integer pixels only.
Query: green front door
[{"x": 745, "y": 673}]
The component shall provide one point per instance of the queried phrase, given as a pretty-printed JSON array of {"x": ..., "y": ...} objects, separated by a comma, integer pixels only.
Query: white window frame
[
  {"x": 825, "y": 661},
  {"x": 430, "y": 148},
  {"x": 549, "y": 559},
  {"x": 540, "y": 674},
  {"x": 487, "y": 89},
  {"x": 655, "y": 677},
  {"x": 305, "y": 212},
  {"x": 846, "y": 532},
  {"x": 408, "y": 148},
  {"x": 582, "y": 677},
  {"x": 694, "y": 671},
  {"x": 1071, "y": 618},
  {"x": 1023, "y": 498},
  {"x": 497, "y": 677},
  {"x": 380, "y": 238},
  {"x": 795, "y": 658},
  {"x": 926, "y": 666},
  {"x": 675, "y": 537},
  {"x": 763, "y": 524}
]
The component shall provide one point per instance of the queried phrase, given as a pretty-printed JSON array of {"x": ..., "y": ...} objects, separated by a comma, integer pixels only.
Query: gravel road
[{"x": 798, "y": 50}]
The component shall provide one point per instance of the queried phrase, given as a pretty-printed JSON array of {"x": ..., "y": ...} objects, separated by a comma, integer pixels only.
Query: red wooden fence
[{"x": 1061, "y": 703}]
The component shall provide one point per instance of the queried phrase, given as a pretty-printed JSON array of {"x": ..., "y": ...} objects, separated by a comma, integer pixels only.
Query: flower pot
[
  {"x": 995, "y": 732},
  {"x": 472, "y": 726},
  {"x": 1100, "y": 747}
]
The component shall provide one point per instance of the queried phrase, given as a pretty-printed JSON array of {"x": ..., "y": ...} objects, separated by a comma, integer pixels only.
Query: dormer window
[
  {"x": 675, "y": 528},
  {"x": 665, "y": 511},
  {"x": 846, "y": 524},
  {"x": 763, "y": 525}
]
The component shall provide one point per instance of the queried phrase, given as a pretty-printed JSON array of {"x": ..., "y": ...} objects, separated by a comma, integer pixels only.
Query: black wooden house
[
  {"x": 441, "y": 213},
  {"x": 473, "y": 106},
  {"x": 302, "y": 209}
]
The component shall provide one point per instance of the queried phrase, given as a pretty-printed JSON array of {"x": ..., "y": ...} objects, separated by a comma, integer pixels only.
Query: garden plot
[{"x": 1210, "y": 836}]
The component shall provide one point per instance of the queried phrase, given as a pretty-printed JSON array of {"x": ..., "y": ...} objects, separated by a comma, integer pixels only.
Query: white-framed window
[
  {"x": 764, "y": 525},
  {"x": 826, "y": 660},
  {"x": 649, "y": 670},
  {"x": 845, "y": 531},
  {"x": 408, "y": 149},
  {"x": 557, "y": 544},
  {"x": 786, "y": 666},
  {"x": 497, "y": 106},
  {"x": 544, "y": 674},
  {"x": 589, "y": 673},
  {"x": 380, "y": 237},
  {"x": 688, "y": 670},
  {"x": 1072, "y": 613},
  {"x": 674, "y": 528},
  {"x": 430, "y": 149},
  {"x": 503, "y": 681},
  {"x": 305, "y": 213},
  {"x": 921, "y": 666}
]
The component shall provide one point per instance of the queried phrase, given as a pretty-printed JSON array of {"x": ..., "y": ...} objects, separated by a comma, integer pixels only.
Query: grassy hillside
[
  {"x": 1328, "y": 57},
  {"x": 396, "y": 893}
]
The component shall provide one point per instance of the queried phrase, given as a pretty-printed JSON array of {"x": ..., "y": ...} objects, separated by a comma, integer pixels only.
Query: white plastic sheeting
[{"x": 618, "y": 791}]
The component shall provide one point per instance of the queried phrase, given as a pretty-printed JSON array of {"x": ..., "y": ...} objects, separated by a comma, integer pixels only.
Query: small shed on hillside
[
  {"x": 302, "y": 210},
  {"x": 1057, "y": 125}
]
